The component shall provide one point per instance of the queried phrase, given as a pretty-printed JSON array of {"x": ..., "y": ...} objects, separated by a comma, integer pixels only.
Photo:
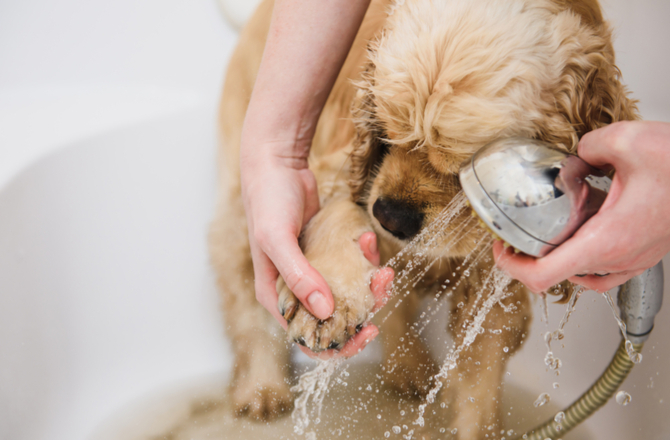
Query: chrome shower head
[{"x": 530, "y": 194}]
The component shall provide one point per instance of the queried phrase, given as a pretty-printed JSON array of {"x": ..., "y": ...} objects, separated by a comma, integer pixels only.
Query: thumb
[{"x": 301, "y": 278}]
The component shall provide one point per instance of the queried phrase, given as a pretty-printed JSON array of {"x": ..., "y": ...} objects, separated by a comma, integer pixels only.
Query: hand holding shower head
[
  {"x": 530, "y": 194},
  {"x": 535, "y": 197}
]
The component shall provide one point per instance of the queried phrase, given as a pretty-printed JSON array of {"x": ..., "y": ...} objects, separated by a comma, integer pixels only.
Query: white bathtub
[
  {"x": 105, "y": 286},
  {"x": 106, "y": 298}
]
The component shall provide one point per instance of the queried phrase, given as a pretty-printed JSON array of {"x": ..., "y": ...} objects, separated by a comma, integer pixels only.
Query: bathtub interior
[
  {"x": 109, "y": 318},
  {"x": 105, "y": 277}
]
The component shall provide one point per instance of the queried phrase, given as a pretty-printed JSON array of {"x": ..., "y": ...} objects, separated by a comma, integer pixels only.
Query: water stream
[{"x": 411, "y": 265}]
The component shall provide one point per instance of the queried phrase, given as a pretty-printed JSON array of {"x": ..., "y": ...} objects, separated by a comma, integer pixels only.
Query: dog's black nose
[{"x": 400, "y": 219}]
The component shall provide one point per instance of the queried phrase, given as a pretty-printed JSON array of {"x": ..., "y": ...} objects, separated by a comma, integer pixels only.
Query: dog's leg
[
  {"x": 473, "y": 388},
  {"x": 259, "y": 387},
  {"x": 330, "y": 243},
  {"x": 408, "y": 364}
]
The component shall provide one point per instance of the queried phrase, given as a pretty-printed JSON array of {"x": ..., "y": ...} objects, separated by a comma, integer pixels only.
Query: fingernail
[{"x": 319, "y": 305}]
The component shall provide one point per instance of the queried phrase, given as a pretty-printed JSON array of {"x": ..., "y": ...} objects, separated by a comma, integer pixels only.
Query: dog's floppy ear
[
  {"x": 590, "y": 94},
  {"x": 369, "y": 145}
]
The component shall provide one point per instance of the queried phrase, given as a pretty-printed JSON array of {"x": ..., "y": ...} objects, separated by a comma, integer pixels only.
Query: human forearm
[{"x": 307, "y": 44}]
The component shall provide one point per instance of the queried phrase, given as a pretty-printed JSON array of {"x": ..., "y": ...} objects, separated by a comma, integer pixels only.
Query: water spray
[{"x": 534, "y": 197}]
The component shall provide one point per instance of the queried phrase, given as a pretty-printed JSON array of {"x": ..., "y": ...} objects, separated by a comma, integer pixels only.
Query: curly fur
[{"x": 476, "y": 71}]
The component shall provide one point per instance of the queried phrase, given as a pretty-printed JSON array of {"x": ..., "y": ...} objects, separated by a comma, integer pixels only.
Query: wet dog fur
[{"x": 422, "y": 89}]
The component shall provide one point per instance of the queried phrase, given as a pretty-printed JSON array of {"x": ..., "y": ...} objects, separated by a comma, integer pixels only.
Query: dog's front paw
[{"x": 352, "y": 309}]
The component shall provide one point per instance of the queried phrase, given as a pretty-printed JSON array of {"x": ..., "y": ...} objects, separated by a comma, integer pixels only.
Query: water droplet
[
  {"x": 555, "y": 385},
  {"x": 505, "y": 349},
  {"x": 402, "y": 413},
  {"x": 466, "y": 272},
  {"x": 471, "y": 399},
  {"x": 542, "y": 399},
  {"x": 379, "y": 416},
  {"x": 623, "y": 398},
  {"x": 633, "y": 355},
  {"x": 558, "y": 418},
  {"x": 396, "y": 429},
  {"x": 454, "y": 431},
  {"x": 387, "y": 434}
]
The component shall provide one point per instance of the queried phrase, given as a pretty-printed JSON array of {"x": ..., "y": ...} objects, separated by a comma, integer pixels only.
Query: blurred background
[{"x": 107, "y": 184}]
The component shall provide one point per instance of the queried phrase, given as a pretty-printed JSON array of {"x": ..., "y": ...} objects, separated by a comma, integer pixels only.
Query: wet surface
[{"x": 202, "y": 411}]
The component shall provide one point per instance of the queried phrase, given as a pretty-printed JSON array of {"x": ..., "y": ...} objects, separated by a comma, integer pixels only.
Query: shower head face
[{"x": 530, "y": 194}]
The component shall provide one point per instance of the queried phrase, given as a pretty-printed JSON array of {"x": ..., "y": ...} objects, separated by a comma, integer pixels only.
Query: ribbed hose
[{"x": 599, "y": 393}]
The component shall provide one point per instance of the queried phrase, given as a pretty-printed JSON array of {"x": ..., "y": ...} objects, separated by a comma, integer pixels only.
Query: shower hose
[{"x": 596, "y": 396}]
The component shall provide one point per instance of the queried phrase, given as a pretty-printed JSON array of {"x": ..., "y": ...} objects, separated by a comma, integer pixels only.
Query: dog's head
[{"x": 445, "y": 78}]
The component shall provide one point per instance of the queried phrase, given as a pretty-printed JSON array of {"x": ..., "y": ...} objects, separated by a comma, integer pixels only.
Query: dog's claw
[
  {"x": 289, "y": 312},
  {"x": 287, "y": 303}
]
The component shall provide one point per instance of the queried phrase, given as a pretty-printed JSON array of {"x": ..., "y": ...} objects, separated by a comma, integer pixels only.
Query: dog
[{"x": 425, "y": 85}]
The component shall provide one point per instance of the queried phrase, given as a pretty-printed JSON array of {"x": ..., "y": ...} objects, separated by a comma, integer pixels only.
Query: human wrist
[{"x": 286, "y": 129}]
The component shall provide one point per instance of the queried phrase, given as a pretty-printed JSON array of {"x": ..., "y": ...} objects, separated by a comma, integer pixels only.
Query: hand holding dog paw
[
  {"x": 280, "y": 196},
  {"x": 347, "y": 331},
  {"x": 630, "y": 233}
]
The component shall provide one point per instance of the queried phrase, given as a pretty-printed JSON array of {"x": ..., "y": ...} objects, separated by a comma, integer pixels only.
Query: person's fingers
[
  {"x": 265, "y": 284},
  {"x": 356, "y": 344},
  {"x": 301, "y": 278},
  {"x": 539, "y": 274},
  {"x": 381, "y": 287},
  {"x": 604, "y": 283},
  {"x": 523, "y": 268},
  {"x": 368, "y": 244},
  {"x": 353, "y": 346}
]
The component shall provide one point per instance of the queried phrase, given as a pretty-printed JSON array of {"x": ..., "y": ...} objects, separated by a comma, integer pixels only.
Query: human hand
[
  {"x": 275, "y": 215},
  {"x": 280, "y": 197},
  {"x": 631, "y": 231},
  {"x": 380, "y": 287}
]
